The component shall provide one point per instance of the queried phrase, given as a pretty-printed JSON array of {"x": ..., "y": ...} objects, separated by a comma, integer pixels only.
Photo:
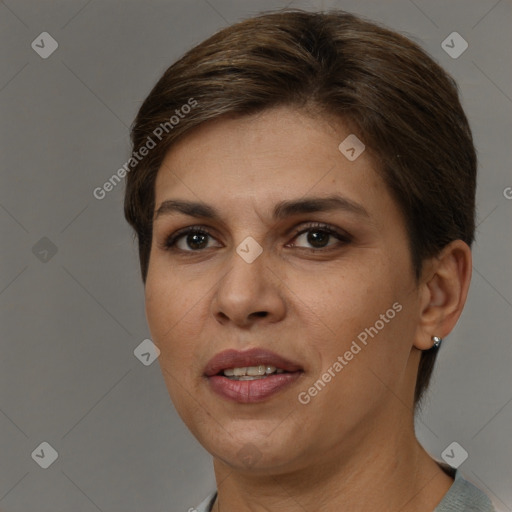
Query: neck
[{"x": 382, "y": 469}]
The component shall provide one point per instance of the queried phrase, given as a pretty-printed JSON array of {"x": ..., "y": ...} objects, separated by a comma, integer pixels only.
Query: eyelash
[{"x": 344, "y": 238}]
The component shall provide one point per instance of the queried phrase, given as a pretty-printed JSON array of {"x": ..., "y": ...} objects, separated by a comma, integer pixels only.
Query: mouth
[
  {"x": 255, "y": 362},
  {"x": 251, "y": 372},
  {"x": 250, "y": 376}
]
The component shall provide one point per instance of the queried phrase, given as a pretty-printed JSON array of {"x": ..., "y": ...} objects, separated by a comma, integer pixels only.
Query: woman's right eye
[{"x": 195, "y": 239}]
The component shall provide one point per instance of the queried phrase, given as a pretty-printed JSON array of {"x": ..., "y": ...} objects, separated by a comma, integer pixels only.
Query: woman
[{"x": 302, "y": 190}]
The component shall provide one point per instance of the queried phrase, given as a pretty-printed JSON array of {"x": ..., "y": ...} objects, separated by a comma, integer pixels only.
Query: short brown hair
[{"x": 399, "y": 102}]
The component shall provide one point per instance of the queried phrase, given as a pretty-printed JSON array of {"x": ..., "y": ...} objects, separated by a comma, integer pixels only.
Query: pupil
[
  {"x": 318, "y": 238},
  {"x": 194, "y": 240}
]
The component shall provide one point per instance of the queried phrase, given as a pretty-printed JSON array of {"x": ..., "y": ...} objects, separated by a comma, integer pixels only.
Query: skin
[{"x": 352, "y": 447}]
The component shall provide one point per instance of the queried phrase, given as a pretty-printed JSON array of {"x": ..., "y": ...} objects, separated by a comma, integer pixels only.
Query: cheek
[
  {"x": 160, "y": 304},
  {"x": 170, "y": 315},
  {"x": 361, "y": 305},
  {"x": 348, "y": 299},
  {"x": 174, "y": 330}
]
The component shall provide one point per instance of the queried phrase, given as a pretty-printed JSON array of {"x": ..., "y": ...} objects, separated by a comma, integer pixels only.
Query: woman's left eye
[{"x": 318, "y": 237}]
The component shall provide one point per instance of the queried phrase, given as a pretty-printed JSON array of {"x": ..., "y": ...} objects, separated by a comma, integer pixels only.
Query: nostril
[{"x": 259, "y": 314}]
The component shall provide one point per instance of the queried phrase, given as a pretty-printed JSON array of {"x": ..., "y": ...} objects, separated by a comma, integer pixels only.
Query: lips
[
  {"x": 253, "y": 357},
  {"x": 250, "y": 391}
]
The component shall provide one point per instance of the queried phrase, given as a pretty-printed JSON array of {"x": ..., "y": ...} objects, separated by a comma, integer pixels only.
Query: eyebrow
[{"x": 282, "y": 209}]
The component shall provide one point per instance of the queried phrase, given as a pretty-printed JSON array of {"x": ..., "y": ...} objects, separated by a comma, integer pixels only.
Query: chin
[{"x": 252, "y": 451}]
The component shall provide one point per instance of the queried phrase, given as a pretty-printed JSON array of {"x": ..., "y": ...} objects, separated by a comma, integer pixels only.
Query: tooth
[
  {"x": 252, "y": 371},
  {"x": 256, "y": 370}
]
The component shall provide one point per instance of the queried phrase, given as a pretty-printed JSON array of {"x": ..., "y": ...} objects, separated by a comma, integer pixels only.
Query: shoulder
[
  {"x": 205, "y": 505},
  {"x": 464, "y": 496}
]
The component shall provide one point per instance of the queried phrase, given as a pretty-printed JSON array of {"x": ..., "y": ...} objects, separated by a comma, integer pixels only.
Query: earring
[{"x": 437, "y": 341}]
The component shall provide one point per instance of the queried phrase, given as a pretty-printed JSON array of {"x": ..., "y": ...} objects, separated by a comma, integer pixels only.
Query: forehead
[{"x": 272, "y": 156}]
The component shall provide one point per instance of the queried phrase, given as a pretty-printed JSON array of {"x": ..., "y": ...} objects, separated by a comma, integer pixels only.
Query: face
[{"x": 270, "y": 244}]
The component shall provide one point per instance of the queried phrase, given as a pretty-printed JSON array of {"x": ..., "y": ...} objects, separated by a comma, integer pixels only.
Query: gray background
[{"x": 70, "y": 321}]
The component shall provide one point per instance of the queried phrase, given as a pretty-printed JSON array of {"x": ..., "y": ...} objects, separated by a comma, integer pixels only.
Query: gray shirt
[{"x": 462, "y": 496}]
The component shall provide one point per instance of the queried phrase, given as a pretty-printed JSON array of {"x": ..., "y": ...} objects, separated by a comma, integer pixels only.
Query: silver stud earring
[{"x": 437, "y": 341}]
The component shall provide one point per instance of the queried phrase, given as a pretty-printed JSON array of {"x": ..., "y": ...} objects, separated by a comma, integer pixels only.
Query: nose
[{"x": 249, "y": 293}]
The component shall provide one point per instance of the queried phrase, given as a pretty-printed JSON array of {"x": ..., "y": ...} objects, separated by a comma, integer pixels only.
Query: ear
[{"x": 444, "y": 286}]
